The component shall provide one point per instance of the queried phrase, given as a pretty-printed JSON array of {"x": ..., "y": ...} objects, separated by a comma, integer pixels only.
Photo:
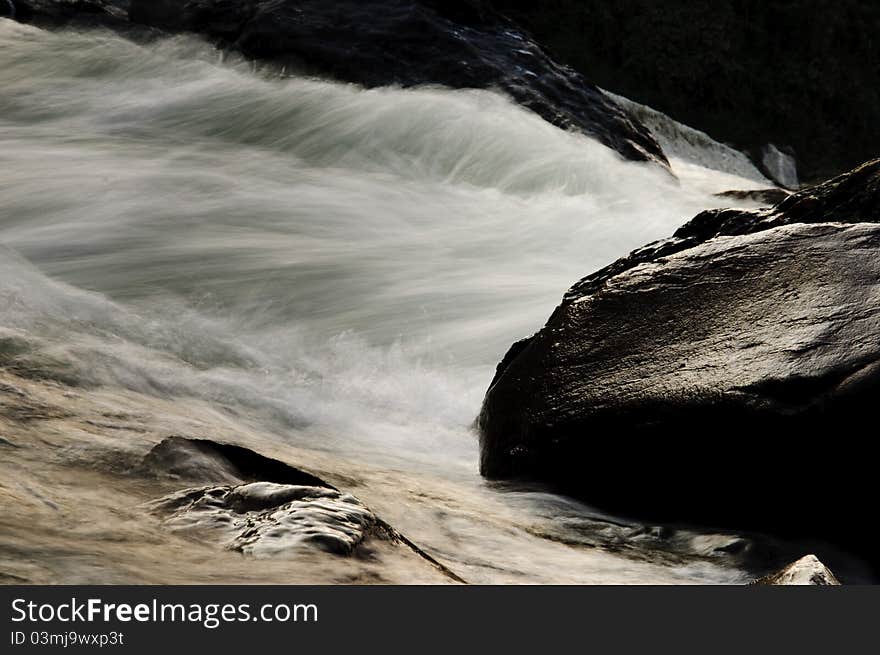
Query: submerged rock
[
  {"x": 268, "y": 519},
  {"x": 461, "y": 44},
  {"x": 806, "y": 571},
  {"x": 263, "y": 507},
  {"x": 724, "y": 376},
  {"x": 206, "y": 461}
]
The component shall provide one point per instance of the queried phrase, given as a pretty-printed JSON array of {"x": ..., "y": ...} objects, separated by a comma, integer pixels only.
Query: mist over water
[{"x": 346, "y": 265}]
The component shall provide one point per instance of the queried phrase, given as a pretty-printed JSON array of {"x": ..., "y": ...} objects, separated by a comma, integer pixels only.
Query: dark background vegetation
[{"x": 801, "y": 73}]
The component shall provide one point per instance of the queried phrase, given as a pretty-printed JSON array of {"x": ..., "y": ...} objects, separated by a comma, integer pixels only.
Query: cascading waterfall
[
  {"x": 686, "y": 144},
  {"x": 345, "y": 266}
]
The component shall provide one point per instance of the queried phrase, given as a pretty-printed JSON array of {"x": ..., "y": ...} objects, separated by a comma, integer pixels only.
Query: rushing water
[{"x": 346, "y": 265}]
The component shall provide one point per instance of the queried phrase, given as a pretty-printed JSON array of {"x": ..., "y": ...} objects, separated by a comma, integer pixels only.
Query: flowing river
[{"x": 343, "y": 267}]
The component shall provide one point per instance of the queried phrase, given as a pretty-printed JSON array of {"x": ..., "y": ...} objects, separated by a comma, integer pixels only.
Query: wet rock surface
[
  {"x": 206, "y": 461},
  {"x": 266, "y": 508},
  {"x": 779, "y": 166},
  {"x": 724, "y": 376},
  {"x": 763, "y": 196},
  {"x": 81, "y": 468},
  {"x": 268, "y": 519},
  {"x": 374, "y": 43},
  {"x": 806, "y": 571}
]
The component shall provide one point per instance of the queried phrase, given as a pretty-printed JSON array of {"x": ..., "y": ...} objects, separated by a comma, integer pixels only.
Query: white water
[
  {"x": 347, "y": 266},
  {"x": 685, "y": 143}
]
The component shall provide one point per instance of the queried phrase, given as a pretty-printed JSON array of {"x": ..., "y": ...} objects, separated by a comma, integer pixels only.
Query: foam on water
[{"x": 347, "y": 265}]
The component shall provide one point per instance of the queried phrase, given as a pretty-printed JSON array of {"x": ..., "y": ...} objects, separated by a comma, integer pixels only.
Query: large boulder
[
  {"x": 724, "y": 376},
  {"x": 459, "y": 44}
]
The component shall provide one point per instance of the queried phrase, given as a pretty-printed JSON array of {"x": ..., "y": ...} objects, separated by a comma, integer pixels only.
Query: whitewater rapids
[{"x": 343, "y": 267}]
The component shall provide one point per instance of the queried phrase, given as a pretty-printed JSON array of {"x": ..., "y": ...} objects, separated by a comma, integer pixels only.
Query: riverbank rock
[
  {"x": 460, "y": 44},
  {"x": 806, "y": 571},
  {"x": 724, "y": 376}
]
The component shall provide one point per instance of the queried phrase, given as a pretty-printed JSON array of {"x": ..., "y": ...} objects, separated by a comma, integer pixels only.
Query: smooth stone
[{"x": 724, "y": 377}]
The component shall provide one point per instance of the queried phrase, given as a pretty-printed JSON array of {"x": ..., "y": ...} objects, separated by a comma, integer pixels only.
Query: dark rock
[
  {"x": 724, "y": 376},
  {"x": 261, "y": 506},
  {"x": 807, "y": 570},
  {"x": 460, "y": 44},
  {"x": 849, "y": 198},
  {"x": 747, "y": 72},
  {"x": 266, "y": 519},
  {"x": 771, "y": 196},
  {"x": 60, "y": 12},
  {"x": 206, "y": 461}
]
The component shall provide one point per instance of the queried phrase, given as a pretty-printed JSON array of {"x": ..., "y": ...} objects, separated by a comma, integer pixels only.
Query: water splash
[{"x": 343, "y": 265}]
